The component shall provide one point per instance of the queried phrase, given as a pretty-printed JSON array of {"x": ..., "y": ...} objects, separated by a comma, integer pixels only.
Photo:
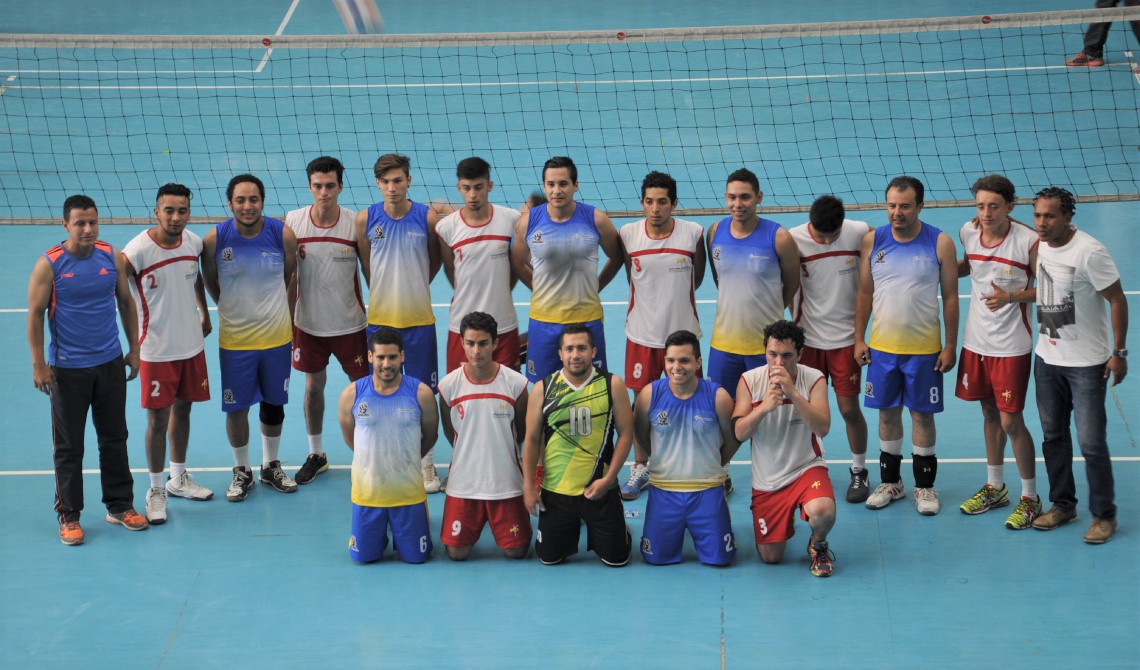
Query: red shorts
[
  {"x": 506, "y": 350},
  {"x": 164, "y": 381},
  {"x": 644, "y": 365},
  {"x": 839, "y": 365},
  {"x": 463, "y": 520},
  {"x": 311, "y": 352},
  {"x": 979, "y": 377},
  {"x": 772, "y": 511}
]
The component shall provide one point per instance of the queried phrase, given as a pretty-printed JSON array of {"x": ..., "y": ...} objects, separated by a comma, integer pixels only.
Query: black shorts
[{"x": 559, "y": 527}]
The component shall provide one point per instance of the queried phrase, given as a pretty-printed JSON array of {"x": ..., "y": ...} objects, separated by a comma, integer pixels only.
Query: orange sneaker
[
  {"x": 70, "y": 533},
  {"x": 129, "y": 519}
]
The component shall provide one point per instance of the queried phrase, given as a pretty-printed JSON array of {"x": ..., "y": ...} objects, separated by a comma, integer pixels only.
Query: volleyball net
[{"x": 812, "y": 108}]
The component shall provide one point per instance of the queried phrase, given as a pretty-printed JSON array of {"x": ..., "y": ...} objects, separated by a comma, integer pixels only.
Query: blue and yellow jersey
[
  {"x": 253, "y": 309},
  {"x": 386, "y": 453},
  {"x": 907, "y": 284},
  {"x": 565, "y": 261},
  {"x": 750, "y": 287}
]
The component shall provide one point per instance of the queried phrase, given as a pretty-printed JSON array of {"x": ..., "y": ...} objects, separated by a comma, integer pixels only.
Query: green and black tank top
[{"x": 578, "y": 432}]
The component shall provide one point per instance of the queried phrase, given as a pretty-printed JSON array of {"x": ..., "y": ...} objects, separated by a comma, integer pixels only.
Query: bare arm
[
  {"x": 611, "y": 245},
  {"x": 532, "y": 448},
  {"x": 863, "y": 300},
  {"x": 209, "y": 266},
  {"x": 520, "y": 252},
  {"x": 364, "y": 246},
  {"x": 203, "y": 308},
  {"x": 729, "y": 445},
  {"x": 522, "y": 406},
  {"x": 433, "y": 244},
  {"x": 40, "y": 286},
  {"x": 641, "y": 431},
  {"x": 344, "y": 415},
  {"x": 447, "y": 257},
  {"x": 948, "y": 278},
  {"x": 814, "y": 409},
  {"x": 445, "y": 419},
  {"x": 700, "y": 259},
  {"x": 128, "y": 314},
  {"x": 429, "y": 419},
  {"x": 789, "y": 254},
  {"x": 708, "y": 247},
  {"x": 623, "y": 421},
  {"x": 1118, "y": 313},
  {"x": 289, "y": 241}
]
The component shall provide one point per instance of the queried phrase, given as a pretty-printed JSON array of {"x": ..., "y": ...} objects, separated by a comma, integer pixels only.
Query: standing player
[
  {"x": 782, "y": 407},
  {"x": 665, "y": 263},
  {"x": 328, "y": 314},
  {"x": 483, "y": 407},
  {"x": 902, "y": 268},
  {"x": 79, "y": 283},
  {"x": 1076, "y": 356},
  {"x": 685, "y": 423},
  {"x": 756, "y": 267},
  {"x": 555, "y": 253},
  {"x": 389, "y": 420},
  {"x": 570, "y": 421},
  {"x": 163, "y": 264},
  {"x": 829, "y": 245},
  {"x": 248, "y": 262},
  {"x": 476, "y": 247},
  {"x": 1000, "y": 259},
  {"x": 399, "y": 239}
]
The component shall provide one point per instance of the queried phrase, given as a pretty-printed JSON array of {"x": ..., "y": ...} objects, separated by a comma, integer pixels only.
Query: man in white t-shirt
[
  {"x": 830, "y": 245},
  {"x": 162, "y": 267},
  {"x": 328, "y": 313},
  {"x": 483, "y": 407},
  {"x": 1075, "y": 359}
]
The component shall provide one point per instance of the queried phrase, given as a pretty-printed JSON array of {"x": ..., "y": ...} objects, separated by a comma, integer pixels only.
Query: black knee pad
[{"x": 272, "y": 415}]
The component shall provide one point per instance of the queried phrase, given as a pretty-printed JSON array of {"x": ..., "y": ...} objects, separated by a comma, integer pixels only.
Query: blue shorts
[
  {"x": 420, "y": 353},
  {"x": 250, "y": 376},
  {"x": 903, "y": 379},
  {"x": 726, "y": 369},
  {"x": 542, "y": 348},
  {"x": 704, "y": 513},
  {"x": 411, "y": 537}
]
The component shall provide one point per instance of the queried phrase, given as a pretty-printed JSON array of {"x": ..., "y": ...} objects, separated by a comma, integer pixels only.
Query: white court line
[
  {"x": 280, "y": 30},
  {"x": 447, "y": 305},
  {"x": 941, "y": 461}
]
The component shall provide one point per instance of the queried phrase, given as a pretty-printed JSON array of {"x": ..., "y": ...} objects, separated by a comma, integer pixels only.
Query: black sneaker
[
  {"x": 273, "y": 475},
  {"x": 857, "y": 490},
  {"x": 314, "y": 465},
  {"x": 241, "y": 485}
]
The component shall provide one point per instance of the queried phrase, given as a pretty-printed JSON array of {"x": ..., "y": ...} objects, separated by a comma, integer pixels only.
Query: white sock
[
  {"x": 241, "y": 456},
  {"x": 1029, "y": 488},
  {"x": 859, "y": 462},
  {"x": 893, "y": 447},
  {"x": 995, "y": 476},
  {"x": 922, "y": 451},
  {"x": 269, "y": 448},
  {"x": 429, "y": 459},
  {"x": 177, "y": 469},
  {"x": 315, "y": 446},
  {"x": 155, "y": 480}
]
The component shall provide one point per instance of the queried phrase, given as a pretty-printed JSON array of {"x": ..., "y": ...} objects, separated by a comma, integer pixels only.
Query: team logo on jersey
[
  {"x": 1006, "y": 395},
  {"x": 362, "y": 409},
  {"x": 228, "y": 396},
  {"x": 646, "y": 548},
  {"x": 228, "y": 254},
  {"x": 716, "y": 253},
  {"x": 352, "y": 543},
  {"x": 536, "y": 238},
  {"x": 662, "y": 418},
  {"x": 868, "y": 390},
  {"x": 378, "y": 232},
  {"x": 816, "y": 484},
  {"x": 880, "y": 257},
  {"x": 530, "y": 366},
  {"x": 206, "y": 384},
  {"x": 515, "y": 530}
]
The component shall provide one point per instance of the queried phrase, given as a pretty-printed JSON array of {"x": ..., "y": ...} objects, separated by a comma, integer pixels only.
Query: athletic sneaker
[
  {"x": 926, "y": 501},
  {"x": 1084, "y": 60},
  {"x": 985, "y": 499},
  {"x": 857, "y": 490},
  {"x": 314, "y": 465},
  {"x": 156, "y": 505},
  {"x": 184, "y": 486},
  {"x": 638, "y": 482},
  {"x": 273, "y": 475},
  {"x": 241, "y": 485},
  {"x": 70, "y": 533},
  {"x": 129, "y": 519},
  {"x": 884, "y": 494},
  {"x": 431, "y": 478},
  {"x": 1056, "y": 517},
  {"x": 1023, "y": 515},
  {"x": 822, "y": 560}
]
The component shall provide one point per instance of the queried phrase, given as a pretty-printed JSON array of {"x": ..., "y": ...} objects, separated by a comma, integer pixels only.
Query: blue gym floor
[{"x": 268, "y": 582}]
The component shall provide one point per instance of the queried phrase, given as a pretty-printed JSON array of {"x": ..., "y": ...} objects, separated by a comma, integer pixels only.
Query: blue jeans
[{"x": 1061, "y": 391}]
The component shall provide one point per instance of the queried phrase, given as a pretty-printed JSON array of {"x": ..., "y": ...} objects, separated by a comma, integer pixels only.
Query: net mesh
[{"x": 819, "y": 108}]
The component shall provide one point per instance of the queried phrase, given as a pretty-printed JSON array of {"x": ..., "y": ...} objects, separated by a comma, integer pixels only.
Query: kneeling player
[
  {"x": 572, "y": 414},
  {"x": 389, "y": 420},
  {"x": 684, "y": 422},
  {"x": 483, "y": 407},
  {"x": 782, "y": 407}
]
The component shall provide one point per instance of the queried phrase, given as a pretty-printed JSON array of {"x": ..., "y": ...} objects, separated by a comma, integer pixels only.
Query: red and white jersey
[
  {"x": 169, "y": 324},
  {"x": 1005, "y": 332},
  {"x": 485, "y": 461},
  {"x": 661, "y": 282},
  {"x": 482, "y": 266},
  {"x": 329, "y": 300},
  {"x": 829, "y": 280},
  {"x": 783, "y": 446}
]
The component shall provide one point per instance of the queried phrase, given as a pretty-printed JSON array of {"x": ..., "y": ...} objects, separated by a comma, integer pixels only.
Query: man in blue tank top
[{"x": 79, "y": 283}]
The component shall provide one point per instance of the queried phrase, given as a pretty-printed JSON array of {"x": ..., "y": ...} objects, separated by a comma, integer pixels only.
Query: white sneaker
[
  {"x": 885, "y": 494},
  {"x": 156, "y": 506},
  {"x": 184, "y": 486},
  {"x": 431, "y": 478},
  {"x": 926, "y": 501}
]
